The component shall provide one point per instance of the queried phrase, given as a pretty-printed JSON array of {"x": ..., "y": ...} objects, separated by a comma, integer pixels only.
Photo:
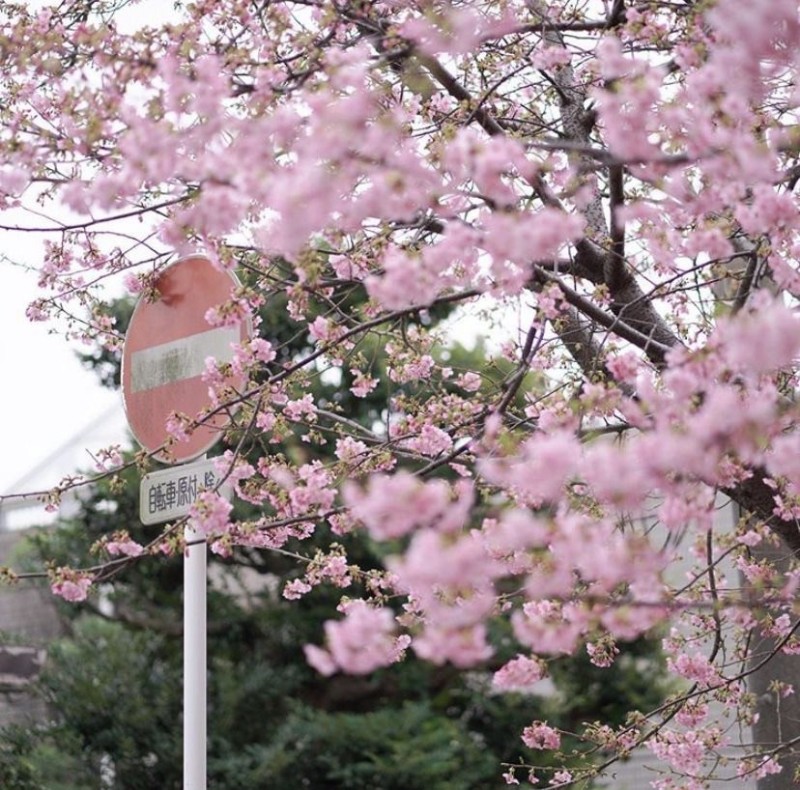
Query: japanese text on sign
[
  {"x": 178, "y": 493},
  {"x": 170, "y": 493}
]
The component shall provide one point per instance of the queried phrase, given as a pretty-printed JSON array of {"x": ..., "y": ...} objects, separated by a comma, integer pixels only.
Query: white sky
[{"x": 46, "y": 396}]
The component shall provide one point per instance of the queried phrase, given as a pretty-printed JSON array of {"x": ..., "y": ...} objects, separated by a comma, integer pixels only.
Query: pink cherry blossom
[
  {"x": 695, "y": 667},
  {"x": 519, "y": 674},
  {"x": 361, "y": 643},
  {"x": 539, "y": 472},
  {"x": 549, "y": 628},
  {"x": 300, "y": 409},
  {"x": 210, "y": 514},
  {"x": 432, "y": 441},
  {"x": 540, "y": 735},
  {"x": 462, "y": 647},
  {"x": 392, "y": 506},
  {"x": 758, "y": 769},
  {"x": 295, "y": 589},
  {"x": 552, "y": 248},
  {"x": 72, "y": 586},
  {"x": 685, "y": 751},
  {"x": 469, "y": 381},
  {"x": 126, "y": 546},
  {"x": 362, "y": 384}
]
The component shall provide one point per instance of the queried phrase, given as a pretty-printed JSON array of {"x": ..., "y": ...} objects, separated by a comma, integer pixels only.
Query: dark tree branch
[
  {"x": 616, "y": 16},
  {"x": 617, "y": 200},
  {"x": 655, "y": 350}
]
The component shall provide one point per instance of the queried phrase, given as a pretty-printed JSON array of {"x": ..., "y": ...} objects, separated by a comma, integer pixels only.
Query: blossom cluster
[{"x": 608, "y": 187}]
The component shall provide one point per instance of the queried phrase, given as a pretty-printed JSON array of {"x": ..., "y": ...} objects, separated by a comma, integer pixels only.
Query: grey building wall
[{"x": 28, "y": 622}]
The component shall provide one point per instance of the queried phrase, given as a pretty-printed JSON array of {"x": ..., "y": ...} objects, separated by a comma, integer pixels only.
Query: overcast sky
[{"x": 46, "y": 396}]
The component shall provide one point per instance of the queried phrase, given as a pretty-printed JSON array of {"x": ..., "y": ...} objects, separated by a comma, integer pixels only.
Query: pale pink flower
[
  {"x": 520, "y": 238},
  {"x": 233, "y": 469},
  {"x": 540, "y": 735},
  {"x": 265, "y": 421},
  {"x": 392, "y": 506},
  {"x": 231, "y": 314},
  {"x": 602, "y": 653},
  {"x": 751, "y": 538},
  {"x": 470, "y": 381},
  {"x": 313, "y": 488},
  {"x": 519, "y": 674},
  {"x": 347, "y": 268},
  {"x": 782, "y": 625},
  {"x": 295, "y": 589},
  {"x": 549, "y": 302},
  {"x": 128, "y": 547},
  {"x": 133, "y": 283},
  {"x": 350, "y": 450},
  {"x": 457, "y": 33},
  {"x": 362, "y": 384},
  {"x": 417, "y": 369},
  {"x": 692, "y": 714},
  {"x": 463, "y": 647},
  {"x": 262, "y": 349},
  {"x": 761, "y": 340},
  {"x": 549, "y": 628},
  {"x": 767, "y": 767},
  {"x": 755, "y": 768},
  {"x": 320, "y": 659},
  {"x": 441, "y": 102},
  {"x": 437, "y": 560},
  {"x": 37, "y": 310},
  {"x": 320, "y": 329},
  {"x": 686, "y": 752},
  {"x": 784, "y": 458},
  {"x": 431, "y": 441},
  {"x": 331, "y": 567},
  {"x": 210, "y": 514},
  {"x": 177, "y": 426},
  {"x": 539, "y": 470},
  {"x": 550, "y": 57},
  {"x": 72, "y": 586},
  {"x": 302, "y": 408},
  {"x": 361, "y": 643},
  {"x": 405, "y": 281},
  {"x": 613, "y": 62},
  {"x": 624, "y": 367}
]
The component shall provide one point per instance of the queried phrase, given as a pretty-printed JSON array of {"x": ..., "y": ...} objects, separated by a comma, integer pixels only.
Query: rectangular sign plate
[{"x": 169, "y": 493}]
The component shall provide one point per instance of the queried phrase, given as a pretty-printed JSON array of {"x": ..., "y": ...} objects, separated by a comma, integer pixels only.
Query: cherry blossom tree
[{"x": 605, "y": 188}]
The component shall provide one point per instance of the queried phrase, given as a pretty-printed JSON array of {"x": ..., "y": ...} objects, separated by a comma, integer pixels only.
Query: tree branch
[{"x": 655, "y": 350}]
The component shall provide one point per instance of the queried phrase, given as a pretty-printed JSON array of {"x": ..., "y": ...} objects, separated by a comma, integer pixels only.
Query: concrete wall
[{"x": 28, "y": 622}]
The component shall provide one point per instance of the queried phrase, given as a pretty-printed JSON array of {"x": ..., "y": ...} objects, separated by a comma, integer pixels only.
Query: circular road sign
[{"x": 163, "y": 358}]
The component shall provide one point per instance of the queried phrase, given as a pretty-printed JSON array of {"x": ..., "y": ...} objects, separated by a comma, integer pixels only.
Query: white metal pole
[{"x": 194, "y": 662}]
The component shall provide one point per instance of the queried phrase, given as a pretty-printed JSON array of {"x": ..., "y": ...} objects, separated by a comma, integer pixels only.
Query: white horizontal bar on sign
[{"x": 181, "y": 359}]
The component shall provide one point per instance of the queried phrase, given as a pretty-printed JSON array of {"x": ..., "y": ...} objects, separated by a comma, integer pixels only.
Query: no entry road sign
[{"x": 165, "y": 351}]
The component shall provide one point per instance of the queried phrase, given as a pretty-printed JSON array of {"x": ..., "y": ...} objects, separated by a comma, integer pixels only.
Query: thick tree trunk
[{"x": 778, "y": 720}]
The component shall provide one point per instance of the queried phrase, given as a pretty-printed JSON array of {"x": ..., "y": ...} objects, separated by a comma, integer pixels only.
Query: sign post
[
  {"x": 194, "y": 661},
  {"x": 163, "y": 359}
]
